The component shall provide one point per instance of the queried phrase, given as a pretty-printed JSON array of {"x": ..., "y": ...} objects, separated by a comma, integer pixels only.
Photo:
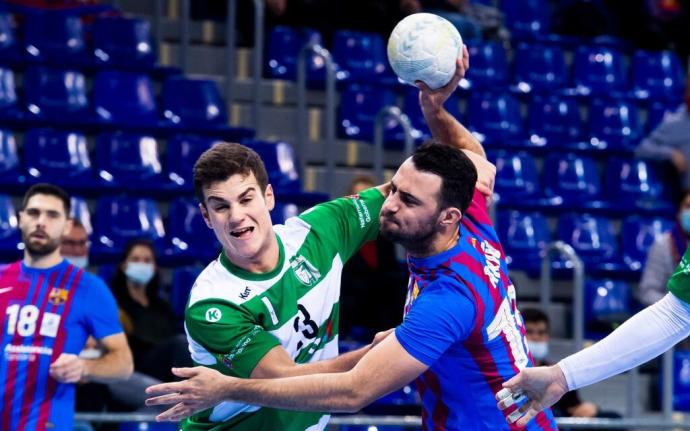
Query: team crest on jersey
[
  {"x": 58, "y": 296},
  {"x": 305, "y": 272}
]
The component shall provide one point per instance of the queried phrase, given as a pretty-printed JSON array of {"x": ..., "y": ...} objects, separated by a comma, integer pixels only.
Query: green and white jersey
[
  {"x": 234, "y": 317},
  {"x": 679, "y": 283}
]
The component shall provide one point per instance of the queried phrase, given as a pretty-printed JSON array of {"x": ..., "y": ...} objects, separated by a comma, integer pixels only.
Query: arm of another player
[
  {"x": 385, "y": 368},
  {"x": 644, "y": 336},
  {"x": 115, "y": 364}
]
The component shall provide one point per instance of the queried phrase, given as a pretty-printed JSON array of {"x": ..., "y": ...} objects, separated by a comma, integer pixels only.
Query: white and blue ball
[{"x": 424, "y": 47}]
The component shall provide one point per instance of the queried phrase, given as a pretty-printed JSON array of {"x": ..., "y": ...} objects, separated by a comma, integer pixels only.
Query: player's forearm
[
  {"x": 644, "y": 336},
  {"x": 317, "y": 392},
  {"x": 446, "y": 129},
  {"x": 112, "y": 366},
  {"x": 339, "y": 364}
]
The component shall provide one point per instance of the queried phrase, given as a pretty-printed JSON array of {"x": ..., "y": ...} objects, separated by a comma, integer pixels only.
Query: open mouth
[{"x": 242, "y": 233}]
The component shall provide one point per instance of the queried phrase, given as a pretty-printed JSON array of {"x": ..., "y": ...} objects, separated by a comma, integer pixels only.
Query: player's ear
[
  {"x": 204, "y": 214},
  {"x": 69, "y": 224},
  {"x": 450, "y": 216},
  {"x": 269, "y": 197}
]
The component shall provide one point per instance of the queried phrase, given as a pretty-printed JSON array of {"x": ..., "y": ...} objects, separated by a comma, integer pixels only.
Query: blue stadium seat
[
  {"x": 128, "y": 161},
  {"x": 182, "y": 281},
  {"x": 359, "y": 105},
  {"x": 361, "y": 57},
  {"x": 489, "y": 67},
  {"x": 495, "y": 119},
  {"x": 555, "y": 122},
  {"x": 123, "y": 43},
  {"x": 414, "y": 111},
  {"x": 657, "y": 75},
  {"x": 60, "y": 157},
  {"x": 681, "y": 380},
  {"x": 10, "y": 239},
  {"x": 80, "y": 211},
  {"x": 10, "y": 52},
  {"x": 517, "y": 179},
  {"x": 9, "y": 109},
  {"x": 283, "y": 211},
  {"x": 182, "y": 151},
  {"x": 125, "y": 99},
  {"x": 121, "y": 219},
  {"x": 637, "y": 235},
  {"x": 284, "y": 45},
  {"x": 572, "y": 182},
  {"x": 524, "y": 236},
  {"x": 190, "y": 238},
  {"x": 56, "y": 95},
  {"x": 51, "y": 37},
  {"x": 527, "y": 19},
  {"x": 539, "y": 68},
  {"x": 614, "y": 125},
  {"x": 607, "y": 304},
  {"x": 599, "y": 71},
  {"x": 594, "y": 241},
  {"x": 11, "y": 175},
  {"x": 637, "y": 185}
]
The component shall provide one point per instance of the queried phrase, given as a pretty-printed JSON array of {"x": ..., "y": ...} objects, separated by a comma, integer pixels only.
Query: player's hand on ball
[
  {"x": 67, "y": 368},
  {"x": 201, "y": 390},
  {"x": 539, "y": 388},
  {"x": 433, "y": 100}
]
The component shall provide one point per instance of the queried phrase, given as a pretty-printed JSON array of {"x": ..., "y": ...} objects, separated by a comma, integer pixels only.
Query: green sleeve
[
  {"x": 229, "y": 333},
  {"x": 679, "y": 283},
  {"x": 347, "y": 222}
]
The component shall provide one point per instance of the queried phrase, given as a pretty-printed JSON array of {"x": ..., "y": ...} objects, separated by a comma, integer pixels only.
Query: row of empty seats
[
  {"x": 59, "y": 98},
  {"x": 540, "y": 68},
  {"x": 130, "y": 163},
  {"x": 551, "y": 122}
]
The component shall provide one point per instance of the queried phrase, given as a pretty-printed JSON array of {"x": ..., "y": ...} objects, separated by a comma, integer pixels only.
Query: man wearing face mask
[
  {"x": 75, "y": 245},
  {"x": 664, "y": 255},
  {"x": 537, "y": 335}
]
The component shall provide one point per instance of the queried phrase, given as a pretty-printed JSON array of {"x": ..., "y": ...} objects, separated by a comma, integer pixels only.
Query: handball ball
[{"x": 424, "y": 47}]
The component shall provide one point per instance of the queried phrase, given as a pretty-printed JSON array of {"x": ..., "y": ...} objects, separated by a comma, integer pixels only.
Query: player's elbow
[{"x": 358, "y": 396}]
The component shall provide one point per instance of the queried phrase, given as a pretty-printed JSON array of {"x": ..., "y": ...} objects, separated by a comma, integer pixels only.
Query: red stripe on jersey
[
  {"x": 32, "y": 369},
  {"x": 440, "y": 414},
  {"x": 12, "y": 366},
  {"x": 51, "y": 384}
]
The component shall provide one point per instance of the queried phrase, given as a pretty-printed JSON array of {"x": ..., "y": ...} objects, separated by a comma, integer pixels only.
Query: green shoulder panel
[
  {"x": 347, "y": 222},
  {"x": 679, "y": 283},
  {"x": 230, "y": 333}
]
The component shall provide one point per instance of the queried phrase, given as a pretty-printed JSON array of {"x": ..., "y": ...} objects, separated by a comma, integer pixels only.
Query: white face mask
[
  {"x": 139, "y": 272},
  {"x": 539, "y": 349},
  {"x": 78, "y": 261}
]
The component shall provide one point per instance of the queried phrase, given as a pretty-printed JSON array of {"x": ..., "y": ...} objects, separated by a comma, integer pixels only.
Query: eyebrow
[
  {"x": 406, "y": 194},
  {"x": 242, "y": 195}
]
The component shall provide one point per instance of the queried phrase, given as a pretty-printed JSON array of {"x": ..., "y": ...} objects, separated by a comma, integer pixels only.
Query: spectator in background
[
  {"x": 538, "y": 336},
  {"x": 664, "y": 255},
  {"x": 75, "y": 245},
  {"x": 149, "y": 323},
  {"x": 474, "y": 21},
  {"x": 373, "y": 276},
  {"x": 670, "y": 141}
]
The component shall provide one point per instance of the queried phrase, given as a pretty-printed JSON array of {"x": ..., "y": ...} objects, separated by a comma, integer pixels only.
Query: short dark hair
[
  {"x": 457, "y": 172},
  {"x": 224, "y": 160},
  {"x": 48, "y": 189},
  {"x": 534, "y": 315}
]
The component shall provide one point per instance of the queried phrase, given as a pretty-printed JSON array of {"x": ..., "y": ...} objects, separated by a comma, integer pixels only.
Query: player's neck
[
  {"x": 266, "y": 260},
  {"x": 42, "y": 261},
  {"x": 441, "y": 242}
]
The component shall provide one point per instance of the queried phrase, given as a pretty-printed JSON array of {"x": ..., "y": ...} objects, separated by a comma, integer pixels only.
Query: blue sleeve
[
  {"x": 101, "y": 315},
  {"x": 439, "y": 317}
]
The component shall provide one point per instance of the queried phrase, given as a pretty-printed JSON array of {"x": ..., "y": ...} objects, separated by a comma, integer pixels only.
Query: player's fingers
[
  {"x": 185, "y": 372},
  {"x": 511, "y": 399},
  {"x": 165, "y": 388},
  {"x": 465, "y": 57},
  {"x": 422, "y": 86},
  {"x": 528, "y": 416},
  {"x": 514, "y": 384},
  {"x": 162, "y": 400},
  {"x": 170, "y": 414}
]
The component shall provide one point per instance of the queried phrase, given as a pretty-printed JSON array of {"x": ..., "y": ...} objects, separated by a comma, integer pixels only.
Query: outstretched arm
[{"x": 385, "y": 368}]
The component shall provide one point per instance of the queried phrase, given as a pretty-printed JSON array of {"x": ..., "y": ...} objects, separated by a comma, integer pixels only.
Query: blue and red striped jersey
[
  {"x": 462, "y": 321},
  {"x": 46, "y": 312}
]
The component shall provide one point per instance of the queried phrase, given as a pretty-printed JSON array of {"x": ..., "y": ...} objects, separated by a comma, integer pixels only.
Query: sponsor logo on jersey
[
  {"x": 362, "y": 212},
  {"x": 58, "y": 296},
  {"x": 213, "y": 315},
  {"x": 492, "y": 269},
  {"x": 5, "y": 289},
  {"x": 305, "y": 272},
  {"x": 245, "y": 294}
]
